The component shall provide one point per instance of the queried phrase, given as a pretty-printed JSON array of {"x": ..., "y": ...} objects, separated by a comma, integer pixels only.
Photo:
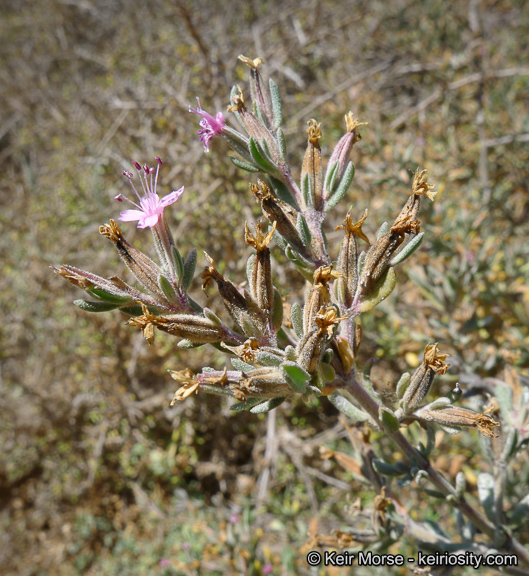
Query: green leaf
[
  {"x": 347, "y": 408},
  {"x": 178, "y": 264},
  {"x": 167, "y": 288},
  {"x": 279, "y": 240},
  {"x": 249, "y": 268},
  {"x": 408, "y": 249},
  {"x": 330, "y": 180},
  {"x": 88, "y": 306},
  {"x": 304, "y": 267},
  {"x": 303, "y": 230},
  {"x": 383, "y": 230},
  {"x": 290, "y": 353},
  {"x": 389, "y": 419},
  {"x": 282, "y": 191},
  {"x": 261, "y": 159},
  {"x": 134, "y": 310},
  {"x": 329, "y": 373},
  {"x": 520, "y": 512},
  {"x": 189, "y": 269},
  {"x": 439, "y": 404},
  {"x": 307, "y": 190},
  {"x": 210, "y": 315},
  {"x": 102, "y": 294},
  {"x": 244, "y": 165},
  {"x": 248, "y": 326},
  {"x": 397, "y": 469},
  {"x": 277, "y": 106},
  {"x": 486, "y": 494},
  {"x": 296, "y": 315},
  {"x": 382, "y": 289},
  {"x": 282, "y": 144},
  {"x": 296, "y": 377},
  {"x": 268, "y": 359},
  {"x": 504, "y": 395},
  {"x": 186, "y": 344},
  {"x": 403, "y": 384},
  {"x": 244, "y": 406},
  {"x": 238, "y": 364},
  {"x": 267, "y": 405},
  {"x": 342, "y": 187}
]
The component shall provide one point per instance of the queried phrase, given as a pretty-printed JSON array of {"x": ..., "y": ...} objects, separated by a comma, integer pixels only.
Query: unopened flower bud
[
  {"x": 456, "y": 416},
  {"x": 422, "y": 379},
  {"x": 261, "y": 277},
  {"x": 311, "y": 171}
]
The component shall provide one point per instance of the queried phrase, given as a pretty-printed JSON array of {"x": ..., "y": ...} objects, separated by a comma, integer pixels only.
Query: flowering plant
[{"x": 311, "y": 348}]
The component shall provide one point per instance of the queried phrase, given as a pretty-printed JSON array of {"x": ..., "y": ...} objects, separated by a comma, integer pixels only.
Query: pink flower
[
  {"x": 210, "y": 126},
  {"x": 150, "y": 207},
  {"x": 267, "y": 569},
  {"x": 164, "y": 562}
]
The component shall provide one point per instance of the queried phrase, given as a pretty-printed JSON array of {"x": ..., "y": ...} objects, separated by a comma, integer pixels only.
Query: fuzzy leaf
[
  {"x": 210, "y": 315},
  {"x": 329, "y": 373},
  {"x": 347, "y": 408},
  {"x": 249, "y": 269},
  {"x": 504, "y": 396},
  {"x": 134, "y": 310},
  {"x": 282, "y": 144},
  {"x": 383, "y": 288},
  {"x": 342, "y": 187},
  {"x": 279, "y": 240},
  {"x": 277, "y": 106},
  {"x": 303, "y": 230},
  {"x": 307, "y": 190},
  {"x": 296, "y": 377},
  {"x": 238, "y": 364},
  {"x": 283, "y": 193},
  {"x": 167, "y": 288},
  {"x": 260, "y": 157},
  {"x": 88, "y": 306},
  {"x": 296, "y": 315},
  {"x": 186, "y": 344},
  {"x": 486, "y": 494},
  {"x": 397, "y": 469},
  {"x": 244, "y": 165},
  {"x": 520, "y": 512},
  {"x": 105, "y": 296},
  {"x": 243, "y": 406},
  {"x": 408, "y": 250},
  {"x": 189, "y": 269},
  {"x": 389, "y": 419},
  {"x": 268, "y": 359},
  {"x": 304, "y": 267},
  {"x": 290, "y": 353},
  {"x": 403, "y": 384},
  {"x": 267, "y": 405},
  {"x": 178, "y": 264},
  {"x": 330, "y": 180},
  {"x": 383, "y": 230}
]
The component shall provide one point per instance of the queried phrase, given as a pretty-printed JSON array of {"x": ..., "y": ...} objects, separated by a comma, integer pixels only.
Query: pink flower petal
[
  {"x": 171, "y": 198},
  {"x": 150, "y": 220},
  {"x": 131, "y": 215}
]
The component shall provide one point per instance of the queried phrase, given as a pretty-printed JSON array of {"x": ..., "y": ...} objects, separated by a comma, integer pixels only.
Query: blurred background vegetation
[{"x": 97, "y": 474}]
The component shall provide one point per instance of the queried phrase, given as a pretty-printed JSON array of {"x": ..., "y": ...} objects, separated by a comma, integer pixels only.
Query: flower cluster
[{"x": 313, "y": 349}]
